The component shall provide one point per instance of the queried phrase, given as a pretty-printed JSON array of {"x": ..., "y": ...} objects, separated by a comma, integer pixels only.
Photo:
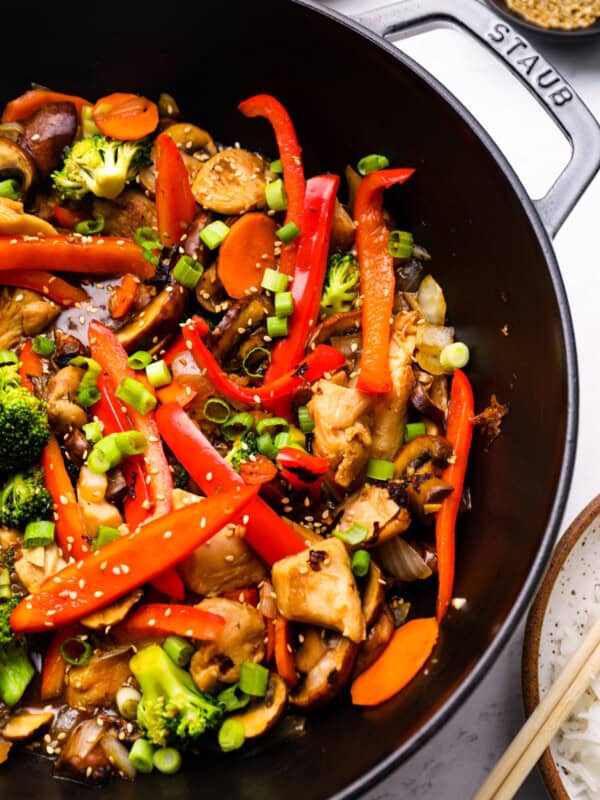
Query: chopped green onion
[
  {"x": 5, "y": 590},
  {"x": 131, "y": 443},
  {"x": 276, "y": 196},
  {"x": 110, "y": 450},
  {"x": 147, "y": 237},
  {"x": 88, "y": 392},
  {"x": 167, "y": 760},
  {"x": 266, "y": 446},
  {"x": 39, "y": 534},
  {"x": 254, "y": 679},
  {"x": 216, "y": 410},
  {"x": 277, "y": 326},
  {"x": 92, "y": 431},
  {"x": 233, "y": 699},
  {"x": 372, "y": 163},
  {"x": 179, "y": 650},
  {"x": 356, "y": 534},
  {"x": 82, "y": 648},
  {"x": 276, "y": 166},
  {"x": 158, "y": 374},
  {"x": 104, "y": 535},
  {"x": 139, "y": 360},
  {"x": 8, "y": 357},
  {"x": 413, "y": 429},
  {"x": 253, "y": 356},
  {"x": 271, "y": 423},
  {"x": 284, "y": 304},
  {"x": 283, "y": 439},
  {"x": 187, "y": 271},
  {"x": 305, "y": 421},
  {"x": 274, "y": 281},
  {"x": 136, "y": 395},
  {"x": 454, "y": 356},
  {"x": 237, "y": 425},
  {"x": 214, "y": 234},
  {"x": 43, "y": 346},
  {"x": 10, "y": 189},
  {"x": 231, "y": 735},
  {"x": 88, "y": 396},
  {"x": 141, "y": 756},
  {"x": 128, "y": 699},
  {"x": 291, "y": 438},
  {"x": 90, "y": 226},
  {"x": 361, "y": 561},
  {"x": 400, "y": 244},
  {"x": 288, "y": 232},
  {"x": 380, "y": 470}
]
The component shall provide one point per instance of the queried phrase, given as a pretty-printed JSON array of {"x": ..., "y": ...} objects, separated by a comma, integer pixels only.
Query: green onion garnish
[
  {"x": 10, "y": 189},
  {"x": 92, "y": 431},
  {"x": 372, "y": 162},
  {"x": 454, "y": 356},
  {"x": 214, "y": 234},
  {"x": 283, "y": 439},
  {"x": 131, "y": 443},
  {"x": 276, "y": 166},
  {"x": 276, "y": 196},
  {"x": 139, "y": 360},
  {"x": 90, "y": 226},
  {"x": 413, "y": 429},
  {"x": 136, "y": 395},
  {"x": 158, "y": 374},
  {"x": 274, "y": 281},
  {"x": 167, "y": 760},
  {"x": 233, "y": 699},
  {"x": 284, "y": 304},
  {"x": 277, "y": 327},
  {"x": 104, "y": 535},
  {"x": 187, "y": 271},
  {"x": 272, "y": 424},
  {"x": 288, "y": 232},
  {"x": 380, "y": 470},
  {"x": 237, "y": 425},
  {"x": 216, "y": 410},
  {"x": 110, "y": 450},
  {"x": 231, "y": 735},
  {"x": 76, "y": 651},
  {"x": 141, "y": 755},
  {"x": 8, "y": 357},
  {"x": 39, "y": 534},
  {"x": 128, "y": 700},
  {"x": 361, "y": 561},
  {"x": 400, "y": 244},
  {"x": 356, "y": 534},
  {"x": 266, "y": 446},
  {"x": 147, "y": 237},
  {"x": 254, "y": 679},
  {"x": 88, "y": 392},
  {"x": 256, "y": 361},
  {"x": 43, "y": 346},
  {"x": 179, "y": 650},
  {"x": 305, "y": 421}
]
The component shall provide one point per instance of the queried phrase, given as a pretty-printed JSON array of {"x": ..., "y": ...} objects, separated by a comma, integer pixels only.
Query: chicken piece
[
  {"x": 390, "y": 408},
  {"x": 114, "y": 613},
  {"x": 23, "y": 312},
  {"x": 242, "y": 639},
  {"x": 63, "y": 411},
  {"x": 342, "y": 433},
  {"x": 231, "y": 182},
  {"x": 15, "y": 222},
  {"x": 96, "y": 514},
  {"x": 95, "y": 684},
  {"x": 317, "y": 587},
  {"x": 131, "y": 210},
  {"x": 37, "y": 564},
  {"x": 372, "y": 507}
]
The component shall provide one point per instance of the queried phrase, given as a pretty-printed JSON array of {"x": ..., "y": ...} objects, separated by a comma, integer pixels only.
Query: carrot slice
[
  {"x": 408, "y": 649},
  {"x": 125, "y": 116},
  {"x": 122, "y": 296},
  {"x": 25, "y": 105},
  {"x": 246, "y": 252}
]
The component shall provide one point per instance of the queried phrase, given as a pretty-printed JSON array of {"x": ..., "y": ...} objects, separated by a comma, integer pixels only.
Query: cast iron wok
[{"x": 350, "y": 94}]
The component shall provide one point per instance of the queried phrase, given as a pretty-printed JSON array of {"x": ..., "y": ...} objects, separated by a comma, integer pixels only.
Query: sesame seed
[
  {"x": 124, "y": 569},
  {"x": 81, "y": 583},
  {"x": 245, "y": 519},
  {"x": 151, "y": 622},
  {"x": 168, "y": 612},
  {"x": 116, "y": 570},
  {"x": 189, "y": 632},
  {"x": 203, "y": 522},
  {"x": 209, "y": 476},
  {"x": 167, "y": 534},
  {"x": 98, "y": 594}
]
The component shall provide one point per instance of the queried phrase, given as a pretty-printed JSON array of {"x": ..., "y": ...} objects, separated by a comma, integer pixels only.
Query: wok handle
[{"x": 570, "y": 113}]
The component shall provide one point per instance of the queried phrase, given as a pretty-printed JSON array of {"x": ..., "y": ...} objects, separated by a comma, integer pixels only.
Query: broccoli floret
[
  {"x": 180, "y": 477},
  {"x": 16, "y": 670},
  {"x": 101, "y": 166},
  {"x": 243, "y": 448},
  {"x": 171, "y": 710},
  {"x": 24, "y": 427},
  {"x": 341, "y": 287},
  {"x": 24, "y": 499}
]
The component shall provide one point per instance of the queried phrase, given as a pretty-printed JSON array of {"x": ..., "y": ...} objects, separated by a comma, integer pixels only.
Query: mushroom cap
[{"x": 16, "y": 163}]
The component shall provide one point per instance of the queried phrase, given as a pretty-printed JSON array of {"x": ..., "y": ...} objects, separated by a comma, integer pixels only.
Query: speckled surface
[{"x": 455, "y": 762}]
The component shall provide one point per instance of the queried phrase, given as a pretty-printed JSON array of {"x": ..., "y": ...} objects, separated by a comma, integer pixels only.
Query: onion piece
[
  {"x": 82, "y": 741},
  {"x": 11, "y": 130},
  {"x": 432, "y": 339},
  {"x": 267, "y": 605},
  {"x": 402, "y": 561},
  {"x": 118, "y": 755},
  {"x": 431, "y": 300}
]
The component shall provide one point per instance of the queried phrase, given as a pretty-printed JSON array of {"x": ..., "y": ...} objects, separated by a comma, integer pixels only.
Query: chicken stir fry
[{"x": 234, "y": 433}]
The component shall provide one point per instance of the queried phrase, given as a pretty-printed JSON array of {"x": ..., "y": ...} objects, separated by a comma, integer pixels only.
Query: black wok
[{"x": 350, "y": 93}]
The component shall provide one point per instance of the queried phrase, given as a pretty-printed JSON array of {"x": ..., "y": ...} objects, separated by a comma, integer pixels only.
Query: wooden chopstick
[{"x": 536, "y": 734}]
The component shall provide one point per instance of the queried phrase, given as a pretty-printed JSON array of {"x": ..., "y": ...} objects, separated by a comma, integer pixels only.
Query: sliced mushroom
[
  {"x": 377, "y": 639},
  {"x": 113, "y": 614},
  {"x": 95, "y": 684},
  {"x": 342, "y": 324},
  {"x": 425, "y": 491},
  {"x": 373, "y": 507},
  {"x": 4, "y": 750},
  {"x": 210, "y": 292},
  {"x": 231, "y": 182},
  {"x": 373, "y": 595},
  {"x": 67, "y": 347},
  {"x": 193, "y": 244},
  {"x": 327, "y": 677},
  {"x": 158, "y": 322},
  {"x": 16, "y": 163},
  {"x": 424, "y": 403},
  {"x": 263, "y": 713},
  {"x": 342, "y": 230},
  {"x": 46, "y": 134},
  {"x": 243, "y": 317},
  {"x": 22, "y": 726},
  {"x": 77, "y": 447},
  {"x": 420, "y": 450},
  {"x": 15, "y": 222},
  {"x": 63, "y": 411},
  {"x": 124, "y": 215}
]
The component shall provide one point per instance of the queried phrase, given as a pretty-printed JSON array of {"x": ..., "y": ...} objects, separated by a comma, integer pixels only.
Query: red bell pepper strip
[
  {"x": 71, "y": 534},
  {"x": 303, "y": 470},
  {"x": 43, "y": 282},
  {"x": 25, "y": 105},
  {"x": 264, "y": 105},
  {"x": 321, "y": 360},
  {"x": 309, "y": 274},
  {"x": 176, "y": 392},
  {"x": 248, "y": 595},
  {"x": 66, "y": 217},
  {"x": 265, "y": 531},
  {"x": 284, "y": 655},
  {"x": 30, "y": 365},
  {"x": 163, "y": 619},
  {"x": 170, "y": 583},
  {"x": 102, "y": 255},
  {"x": 54, "y": 666},
  {"x": 459, "y": 432},
  {"x": 175, "y": 203},
  {"x": 257, "y": 470},
  {"x": 126, "y": 563},
  {"x": 377, "y": 281},
  {"x": 122, "y": 296}
]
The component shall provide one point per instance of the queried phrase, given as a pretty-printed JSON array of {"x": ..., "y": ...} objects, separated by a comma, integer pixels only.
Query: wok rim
[{"x": 527, "y": 591}]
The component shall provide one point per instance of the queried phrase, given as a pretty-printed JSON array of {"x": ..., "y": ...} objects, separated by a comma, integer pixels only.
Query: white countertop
[{"x": 453, "y": 764}]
